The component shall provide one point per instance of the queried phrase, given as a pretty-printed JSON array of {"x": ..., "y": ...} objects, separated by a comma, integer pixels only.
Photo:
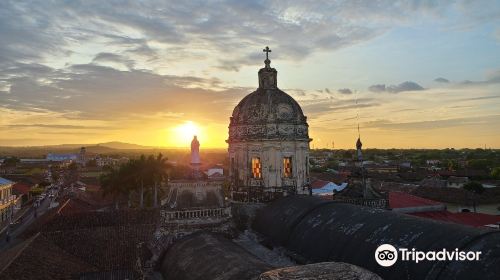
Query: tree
[
  {"x": 72, "y": 175},
  {"x": 452, "y": 165},
  {"x": 475, "y": 189},
  {"x": 11, "y": 162},
  {"x": 111, "y": 184},
  {"x": 495, "y": 173},
  {"x": 159, "y": 167},
  {"x": 481, "y": 164},
  {"x": 91, "y": 163},
  {"x": 129, "y": 179},
  {"x": 141, "y": 175}
]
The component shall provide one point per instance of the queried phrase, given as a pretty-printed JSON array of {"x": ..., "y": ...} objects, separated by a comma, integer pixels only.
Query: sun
[{"x": 184, "y": 133}]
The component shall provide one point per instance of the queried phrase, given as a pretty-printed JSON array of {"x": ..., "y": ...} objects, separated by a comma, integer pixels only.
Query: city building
[
  {"x": 80, "y": 157},
  {"x": 62, "y": 157},
  {"x": 268, "y": 142},
  {"x": 9, "y": 203},
  {"x": 456, "y": 182}
]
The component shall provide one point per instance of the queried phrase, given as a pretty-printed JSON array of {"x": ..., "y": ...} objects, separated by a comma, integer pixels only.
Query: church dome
[
  {"x": 268, "y": 113},
  {"x": 268, "y": 105}
]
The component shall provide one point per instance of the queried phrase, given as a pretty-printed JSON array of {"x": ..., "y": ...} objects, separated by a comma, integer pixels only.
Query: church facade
[{"x": 268, "y": 142}]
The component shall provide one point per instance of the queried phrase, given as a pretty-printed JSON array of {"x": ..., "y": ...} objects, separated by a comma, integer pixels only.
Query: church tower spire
[{"x": 268, "y": 75}]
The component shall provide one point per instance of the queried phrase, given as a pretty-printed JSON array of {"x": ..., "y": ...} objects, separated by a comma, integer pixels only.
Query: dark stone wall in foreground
[
  {"x": 320, "y": 271},
  {"x": 210, "y": 256},
  {"x": 318, "y": 231}
]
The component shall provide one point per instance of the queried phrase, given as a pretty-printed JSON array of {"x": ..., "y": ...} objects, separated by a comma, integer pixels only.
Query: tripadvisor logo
[{"x": 387, "y": 255}]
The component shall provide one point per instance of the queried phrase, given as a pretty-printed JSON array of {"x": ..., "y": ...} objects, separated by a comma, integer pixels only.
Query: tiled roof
[
  {"x": 21, "y": 188},
  {"x": 42, "y": 259},
  {"x": 91, "y": 243},
  {"x": 317, "y": 184},
  {"x": 75, "y": 205},
  {"x": 471, "y": 219},
  {"x": 404, "y": 200}
]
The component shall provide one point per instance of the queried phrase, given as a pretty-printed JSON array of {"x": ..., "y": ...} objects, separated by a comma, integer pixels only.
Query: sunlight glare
[{"x": 184, "y": 133}]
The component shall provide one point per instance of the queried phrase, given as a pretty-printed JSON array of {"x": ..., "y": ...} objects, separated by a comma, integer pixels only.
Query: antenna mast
[{"x": 358, "y": 148}]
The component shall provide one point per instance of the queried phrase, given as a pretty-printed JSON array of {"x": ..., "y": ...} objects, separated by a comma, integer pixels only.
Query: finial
[{"x": 267, "y": 50}]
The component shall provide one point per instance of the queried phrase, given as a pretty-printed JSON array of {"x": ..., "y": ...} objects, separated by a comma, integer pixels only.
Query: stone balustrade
[
  {"x": 255, "y": 182},
  {"x": 289, "y": 182},
  {"x": 196, "y": 214}
]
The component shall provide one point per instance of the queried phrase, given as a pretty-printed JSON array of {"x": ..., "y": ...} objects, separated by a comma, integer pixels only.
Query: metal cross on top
[{"x": 267, "y": 50}]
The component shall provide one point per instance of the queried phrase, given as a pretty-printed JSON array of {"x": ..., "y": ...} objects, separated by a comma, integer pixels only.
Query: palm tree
[
  {"x": 474, "y": 189},
  {"x": 136, "y": 175},
  {"x": 111, "y": 185},
  {"x": 160, "y": 167},
  {"x": 128, "y": 179},
  {"x": 141, "y": 175}
]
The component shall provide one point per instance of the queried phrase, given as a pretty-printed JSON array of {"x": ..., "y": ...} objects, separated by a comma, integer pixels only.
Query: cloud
[
  {"x": 320, "y": 107},
  {"x": 441, "y": 80},
  {"x": 434, "y": 124},
  {"x": 114, "y": 58},
  {"x": 405, "y": 86},
  {"x": 377, "y": 88},
  {"x": 227, "y": 30},
  {"x": 345, "y": 91},
  {"x": 54, "y": 126},
  {"x": 493, "y": 77},
  {"x": 92, "y": 91},
  {"x": 479, "y": 98}
]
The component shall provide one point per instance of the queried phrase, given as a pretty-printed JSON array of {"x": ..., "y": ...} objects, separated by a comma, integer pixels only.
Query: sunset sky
[{"x": 424, "y": 74}]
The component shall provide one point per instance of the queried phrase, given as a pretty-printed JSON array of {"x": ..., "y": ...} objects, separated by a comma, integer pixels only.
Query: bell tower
[{"x": 268, "y": 75}]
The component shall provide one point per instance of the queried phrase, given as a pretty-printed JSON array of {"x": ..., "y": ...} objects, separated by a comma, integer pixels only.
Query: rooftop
[{"x": 4, "y": 181}]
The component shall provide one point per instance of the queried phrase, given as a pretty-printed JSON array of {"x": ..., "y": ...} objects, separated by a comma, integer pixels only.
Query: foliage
[
  {"x": 55, "y": 175},
  {"x": 91, "y": 163},
  {"x": 44, "y": 183},
  {"x": 333, "y": 164},
  {"x": 495, "y": 173},
  {"x": 474, "y": 187},
  {"x": 73, "y": 166},
  {"x": 318, "y": 169},
  {"x": 482, "y": 164},
  {"x": 180, "y": 171},
  {"x": 11, "y": 161},
  {"x": 143, "y": 175},
  {"x": 34, "y": 171},
  {"x": 37, "y": 191}
]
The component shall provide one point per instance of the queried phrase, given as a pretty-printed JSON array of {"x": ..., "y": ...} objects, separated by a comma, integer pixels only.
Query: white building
[
  {"x": 326, "y": 188},
  {"x": 456, "y": 182},
  {"x": 217, "y": 171},
  {"x": 268, "y": 142}
]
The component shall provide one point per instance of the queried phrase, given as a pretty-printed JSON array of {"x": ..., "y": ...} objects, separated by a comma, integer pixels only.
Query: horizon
[
  {"x": 187, "y": 147},
  {"x": 411, "y": 75}
]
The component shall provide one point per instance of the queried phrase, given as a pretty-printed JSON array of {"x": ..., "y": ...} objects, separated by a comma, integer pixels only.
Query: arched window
[
  {"x": 287, "y": 167},
  {"x": 256, "y": 168}
]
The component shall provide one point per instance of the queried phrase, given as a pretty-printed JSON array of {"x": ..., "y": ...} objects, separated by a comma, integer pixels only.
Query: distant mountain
[
  {"x": 42, "y": 151},
  {"x": 123, "y": 146}
]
